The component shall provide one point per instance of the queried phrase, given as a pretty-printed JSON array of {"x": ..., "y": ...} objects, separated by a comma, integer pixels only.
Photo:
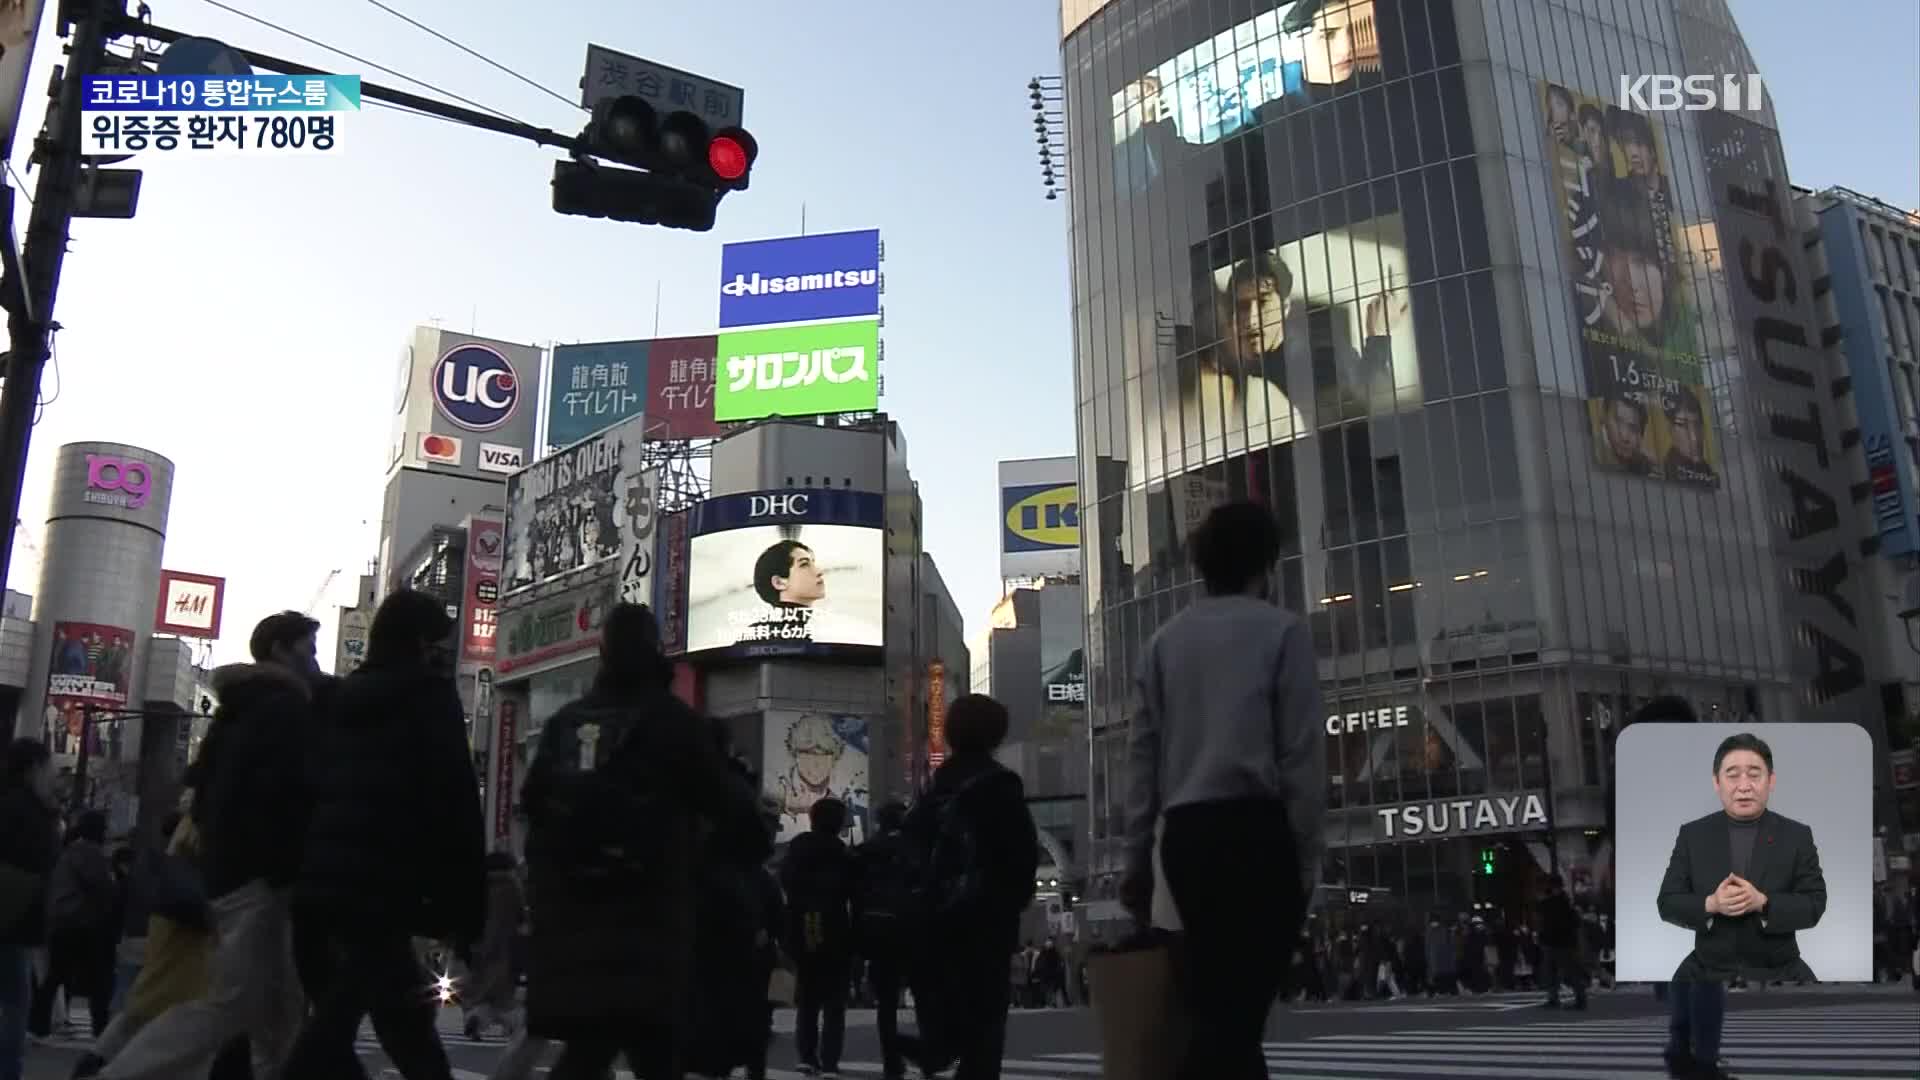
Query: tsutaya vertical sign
[
  {"x": 936, "y": 714},
  {"x": 1800, "y": 401}
]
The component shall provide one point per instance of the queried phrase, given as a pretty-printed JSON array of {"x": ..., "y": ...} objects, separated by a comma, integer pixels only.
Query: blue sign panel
[
  {"x": 593, "y": 388},
  {"x": 1040, "y": 517},
  {"x": 800, "y": 279},
  {"x": 794, "y": 506},
  {"x": 1889, "y": 462},
  {"x": 476, "y": 387}
]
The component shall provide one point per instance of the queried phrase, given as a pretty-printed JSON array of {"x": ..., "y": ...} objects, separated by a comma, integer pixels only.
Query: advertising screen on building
[
  {"x": 786, "y": 572},
  {"x": 91, "y": 667},
  {"x": 815, "y": 369},
  {"x": 1238, "y": 77},
  {"x": 809, "y": 756},
  {"x": 569, "y": 511},
  {"x": 1294, "y": 336},
  {"x": 595, "y": 386},
  {"x": 1648, "y": 407},
  {"x": 800, "y": 279},
  {"x": 479, "y": 609}
]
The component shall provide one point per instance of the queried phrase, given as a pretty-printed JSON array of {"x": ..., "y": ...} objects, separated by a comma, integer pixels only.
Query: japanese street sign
[{"x": 616, "y": 74}]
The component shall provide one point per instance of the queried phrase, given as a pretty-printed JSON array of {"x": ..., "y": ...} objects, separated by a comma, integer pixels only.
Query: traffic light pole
[{"x": 33, "y": 284}]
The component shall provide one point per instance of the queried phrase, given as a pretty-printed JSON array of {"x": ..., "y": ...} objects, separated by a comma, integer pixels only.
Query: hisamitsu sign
[{"x": 800, "y": 279}]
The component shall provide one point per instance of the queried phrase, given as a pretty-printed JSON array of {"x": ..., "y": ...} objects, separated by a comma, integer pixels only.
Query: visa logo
[
  {"x": 1046, "y": 516},
  {"x": 501, "y": 459}
]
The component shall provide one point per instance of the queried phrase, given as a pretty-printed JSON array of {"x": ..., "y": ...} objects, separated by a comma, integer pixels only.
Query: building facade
[{"x": 1327, "y": 256}]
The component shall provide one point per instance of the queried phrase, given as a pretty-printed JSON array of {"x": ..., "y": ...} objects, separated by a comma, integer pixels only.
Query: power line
[
  {"x": 318, "y": 44},
  {"x": 476, "y": 54}
]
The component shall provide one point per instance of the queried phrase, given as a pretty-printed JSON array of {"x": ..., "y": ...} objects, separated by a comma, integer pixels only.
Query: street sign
[{"x": 667, "y": 89}]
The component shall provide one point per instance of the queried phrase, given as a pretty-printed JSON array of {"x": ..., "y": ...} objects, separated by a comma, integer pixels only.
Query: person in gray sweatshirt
[{"x": 1227, "y": 746}]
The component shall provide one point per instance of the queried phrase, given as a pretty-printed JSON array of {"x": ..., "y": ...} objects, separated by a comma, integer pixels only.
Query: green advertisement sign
[{"x": 811, "y": 370}]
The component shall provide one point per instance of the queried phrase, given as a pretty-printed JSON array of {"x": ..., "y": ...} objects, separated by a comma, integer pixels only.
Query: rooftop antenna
[{"x": 656, "y": 307}]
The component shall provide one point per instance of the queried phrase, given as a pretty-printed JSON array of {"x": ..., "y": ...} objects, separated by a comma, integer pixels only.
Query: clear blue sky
[{"x": 248, "y": 321}]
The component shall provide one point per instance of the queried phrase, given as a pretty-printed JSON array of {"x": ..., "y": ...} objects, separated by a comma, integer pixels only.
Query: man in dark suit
[{"x": 1745, "y": 880}]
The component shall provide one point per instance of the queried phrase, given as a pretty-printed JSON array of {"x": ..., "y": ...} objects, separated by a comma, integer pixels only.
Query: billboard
[
  {"x": 569, "y": 511},
  {"x": 1648, "y": 409},
  {"x": 538, "y": 633},
  {"x": 808, "y": 370},
  {"x": 595, "y": 386},
  {"x": 350, "y": 649},
  {"x": 1039, "y": 517},
  {"x": 1889, "y": 464},
  {"x": 91, "y": 668},
  {"x": 113, "y": 481},
  {"x": 479, "y": 613},
  {"x": 670, "y": 587},
  {"x": 936, "y": 714},
  {"x": 642, "y": 510},
  {"x": 784, "y": 572},
  {"x": 800, "y": 279},
  {"x": 1273, "y": 63},
  {"x": 809, "y": 756},
  {"x": 190, "y": 604},
  {"x": 465, "y": 404}
]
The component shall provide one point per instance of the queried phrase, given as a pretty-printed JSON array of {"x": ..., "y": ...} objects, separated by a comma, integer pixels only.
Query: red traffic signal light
[{"x": 730, "y": 155}]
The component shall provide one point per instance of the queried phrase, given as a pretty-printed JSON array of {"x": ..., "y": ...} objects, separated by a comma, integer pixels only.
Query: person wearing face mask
[
  {"x": 248, "y": 797},
  {"x": 1746, "y": 880}
]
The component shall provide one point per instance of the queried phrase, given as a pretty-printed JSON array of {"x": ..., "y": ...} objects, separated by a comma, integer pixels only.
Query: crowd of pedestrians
[{"x": 328, "y": 829}]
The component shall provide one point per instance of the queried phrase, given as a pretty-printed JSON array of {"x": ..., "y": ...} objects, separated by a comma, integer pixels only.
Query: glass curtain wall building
[{"x": 1337, "y": 258}]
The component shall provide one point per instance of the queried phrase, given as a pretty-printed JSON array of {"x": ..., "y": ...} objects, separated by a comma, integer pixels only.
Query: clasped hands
[{"x": 1736, "y": 896}]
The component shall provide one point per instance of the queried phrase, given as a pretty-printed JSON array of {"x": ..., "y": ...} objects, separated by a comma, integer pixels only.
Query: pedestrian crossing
[{"x": 1879, "y": 1041}]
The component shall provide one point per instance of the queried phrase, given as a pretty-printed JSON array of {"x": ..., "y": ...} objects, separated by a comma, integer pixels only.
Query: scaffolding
[{"x": 686, "y": 470}]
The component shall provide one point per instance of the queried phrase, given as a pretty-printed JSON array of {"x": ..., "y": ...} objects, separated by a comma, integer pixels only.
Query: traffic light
[
  {"x": 680, "y": 168},
  {"x": 1486, "y": 861},
  {"x": 606, "y": 191}
]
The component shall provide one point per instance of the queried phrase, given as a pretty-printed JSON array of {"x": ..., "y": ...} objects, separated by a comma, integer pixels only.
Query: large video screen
[
  {"x": 1301, "y": 336},
  {"x": 1648, "y": 408},
  {"x": 786, "y": 573},
  {"x": 1222, "y": 84}
]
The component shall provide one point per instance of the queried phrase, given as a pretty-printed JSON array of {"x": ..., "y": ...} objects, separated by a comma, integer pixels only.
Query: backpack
[
  {"x": 589, "y": 821},
  {"x": 953, "y": 881},
  {"x": 887, "y": 903}
]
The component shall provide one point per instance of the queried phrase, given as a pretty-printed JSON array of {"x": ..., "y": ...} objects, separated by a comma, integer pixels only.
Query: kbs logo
[
  {"x": 476, "y": 387},
  {"x": 1692, "y": 93},
  {"x": 117, "y": 481}
]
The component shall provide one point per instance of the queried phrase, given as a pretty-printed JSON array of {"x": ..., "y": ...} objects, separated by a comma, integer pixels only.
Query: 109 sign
[{"x": 476, "y": 387}]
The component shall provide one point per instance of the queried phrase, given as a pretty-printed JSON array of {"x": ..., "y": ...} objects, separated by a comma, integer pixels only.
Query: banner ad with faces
[
  {"x": 1647, "y": 400},
  {"x": 809, "y": 756},
  {"x": 786, "y": 572},
  {"x": 1302, "y": 336}
]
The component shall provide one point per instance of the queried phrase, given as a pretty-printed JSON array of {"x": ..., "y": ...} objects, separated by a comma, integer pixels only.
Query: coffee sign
[
  {"x": 1398, "y": 716},
  {"x": 1462, "y": 817}
]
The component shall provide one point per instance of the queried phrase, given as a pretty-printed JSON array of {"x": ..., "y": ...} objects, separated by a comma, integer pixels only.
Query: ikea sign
[{"x": 1040, "y": 517}]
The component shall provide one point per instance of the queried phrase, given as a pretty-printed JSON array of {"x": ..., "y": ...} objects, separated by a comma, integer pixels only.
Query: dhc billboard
[{"x": 1889, "y": 461}]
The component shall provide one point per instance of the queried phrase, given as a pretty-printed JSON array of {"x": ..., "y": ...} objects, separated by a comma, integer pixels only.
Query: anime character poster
[{"x": 809, "y": 756}]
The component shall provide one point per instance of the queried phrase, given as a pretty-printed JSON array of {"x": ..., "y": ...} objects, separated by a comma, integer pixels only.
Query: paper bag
[
  {"x": 781, "y": 987},
  {"x": 1141, "y": 1015}
]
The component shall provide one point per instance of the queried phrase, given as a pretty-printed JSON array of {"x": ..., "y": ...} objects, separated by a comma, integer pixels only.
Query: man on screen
[
  {"x": 790, "y": 581},
  {"x": 1623, "y": 425},
  {"x": 1745, "y": 880}
]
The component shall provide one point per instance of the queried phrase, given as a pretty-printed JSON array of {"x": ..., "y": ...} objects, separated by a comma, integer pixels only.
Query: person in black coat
[
  {"x": 818, "y": 876},
  {"x": 626, "y": 782},
  {"x": 730, "y": 992},
  {"x": 960, "y": 986},
  {"x": 1560, "y": 947},
  {"x": 395, "y": 848},
  {"x": 29, "y": 847}
]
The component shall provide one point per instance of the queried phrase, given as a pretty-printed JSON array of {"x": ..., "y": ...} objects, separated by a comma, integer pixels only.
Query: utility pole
[{"x": 30, "y": 322}]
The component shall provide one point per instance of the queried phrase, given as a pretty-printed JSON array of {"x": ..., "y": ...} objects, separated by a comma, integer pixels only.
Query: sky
[{"x": 246, "y": 324}]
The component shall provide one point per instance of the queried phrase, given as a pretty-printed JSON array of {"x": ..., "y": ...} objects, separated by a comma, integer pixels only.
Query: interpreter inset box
[{"x": 1727, "y": 862}]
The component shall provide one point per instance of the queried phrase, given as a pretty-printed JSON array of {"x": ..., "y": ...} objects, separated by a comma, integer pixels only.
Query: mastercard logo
[{"x": 440, "y": 448}]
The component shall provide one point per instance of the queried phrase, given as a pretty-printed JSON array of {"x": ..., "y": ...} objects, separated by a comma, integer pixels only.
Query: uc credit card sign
[
  {"x": 800, "y": 279},
  {"x": 813, "y": 369}
]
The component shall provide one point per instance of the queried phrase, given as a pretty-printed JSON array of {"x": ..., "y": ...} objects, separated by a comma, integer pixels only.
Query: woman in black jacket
[{"x": 29, "y": 846}]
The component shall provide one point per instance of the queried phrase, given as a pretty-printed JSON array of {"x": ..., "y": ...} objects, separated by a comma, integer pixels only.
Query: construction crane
[{"x": 321, "y": 592}]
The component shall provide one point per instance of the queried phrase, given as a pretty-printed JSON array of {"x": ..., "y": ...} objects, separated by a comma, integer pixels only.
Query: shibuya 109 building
[{"x": 1529, "y": 369}]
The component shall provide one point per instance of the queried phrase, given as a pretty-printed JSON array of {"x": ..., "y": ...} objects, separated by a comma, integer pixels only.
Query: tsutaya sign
[{"x": 1459, "y": 817}]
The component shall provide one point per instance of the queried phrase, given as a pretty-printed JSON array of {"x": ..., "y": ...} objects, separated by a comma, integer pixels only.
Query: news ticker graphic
[{"x": 217, "y": 114}]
